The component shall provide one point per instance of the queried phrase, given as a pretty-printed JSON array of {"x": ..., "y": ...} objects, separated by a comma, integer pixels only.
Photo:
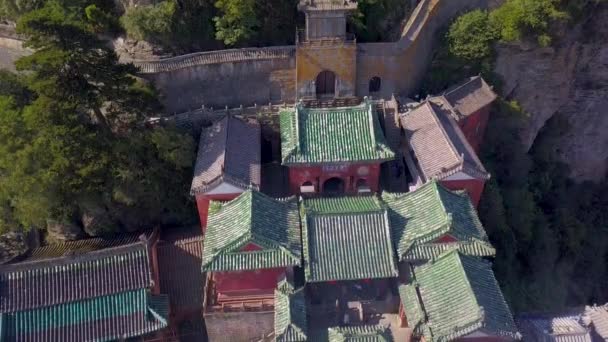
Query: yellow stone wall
[{"x": 340, "y": 58}]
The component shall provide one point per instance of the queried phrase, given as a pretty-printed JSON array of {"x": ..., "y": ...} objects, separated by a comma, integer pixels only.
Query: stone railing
[{"x": 214, "y": 57}]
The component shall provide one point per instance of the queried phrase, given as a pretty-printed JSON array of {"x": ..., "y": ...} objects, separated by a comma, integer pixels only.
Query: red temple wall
[
  {"x": 349, "y": 173},
  {"x": 202, "y": 205},
  {"x": 257, "y": 280},
  {"x": 474, "y": 188},
  {"x": 474, "y": 127}
]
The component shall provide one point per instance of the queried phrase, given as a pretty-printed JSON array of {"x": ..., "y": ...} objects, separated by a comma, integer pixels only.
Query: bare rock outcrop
[
  {"x": 63, "y": 231},
  {"x": 12, "y": 243},
  {"x": 570, "y": 79}
]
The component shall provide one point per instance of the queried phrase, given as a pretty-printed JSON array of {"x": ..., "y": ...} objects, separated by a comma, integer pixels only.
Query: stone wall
[
  {"x": 401, "y": 65},
  {"x": 248, "y": 76},
  {"x": 313, "y": 58},
  {"x": 11, "y": 47},
  {"x": 224, "y": 78},
  {"x": 239, "y": 326}
]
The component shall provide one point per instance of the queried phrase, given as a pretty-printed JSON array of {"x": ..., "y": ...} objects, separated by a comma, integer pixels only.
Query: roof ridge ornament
[{"x": 370, "y": 112}]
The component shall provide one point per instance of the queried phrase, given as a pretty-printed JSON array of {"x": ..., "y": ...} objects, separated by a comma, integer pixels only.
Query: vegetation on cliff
[
  {"x": 194, "y": 25},
  {"x": 548, "y": 230},
  {"x": 72, "y": 151}
]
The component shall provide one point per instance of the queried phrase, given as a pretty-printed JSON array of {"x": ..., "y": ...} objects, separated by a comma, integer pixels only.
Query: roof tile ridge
[
  {"x": 227, "y": 117},
  {"x": 448, "y": 216},
  {"x": 462, "y": 85},
  {"x": 389, "y": 234},
  {"x": 299, "y": 106},
  {"x": 445, "y": 134},
  {"x": 370, "y": 119},
  {"x": 453, "y": 112},
  {"x": 481, "y": 313},
  {"x": 251, "y": 206},
  {"x": 468, "y": 146},
  {"x": 29, "y": 265}
]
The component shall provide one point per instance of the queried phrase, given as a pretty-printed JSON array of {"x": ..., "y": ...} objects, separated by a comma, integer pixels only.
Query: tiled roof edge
[{"x": 76, "y": 258}]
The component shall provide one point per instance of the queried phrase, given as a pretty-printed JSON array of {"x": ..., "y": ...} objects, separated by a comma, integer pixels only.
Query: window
[{"x": 375, "y": 83}]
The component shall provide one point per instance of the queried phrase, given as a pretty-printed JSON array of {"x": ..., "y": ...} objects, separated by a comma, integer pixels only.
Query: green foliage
[
  {"x": 543, "y": 224},
  {"x": 11, "y": 85},
  {"x": 100, "y": 20},
  {"x": 237, "y": 21},
  {"x": 378, "y": 20},
  {"x": 471, "y": 36},
  {"x": 69, "y": 132},
  {"x": 517, "y": 18},
  {"x": 153, "y": 22},
  {"x": 13, "y": 9}
]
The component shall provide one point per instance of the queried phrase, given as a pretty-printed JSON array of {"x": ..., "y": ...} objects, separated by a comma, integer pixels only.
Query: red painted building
[
  {"x": 227, "y": 163},
  {"x": 469, "y": 104},
  {"x": 251, "y": 243},
  {"x": 439, "y": 150},
  {"x": 455, "y": 297},
  {"x": 333, "y": 150}
]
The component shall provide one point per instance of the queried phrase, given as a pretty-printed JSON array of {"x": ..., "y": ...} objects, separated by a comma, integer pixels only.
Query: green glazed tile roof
[
  {"x": 254, "y": 218},
  {"x": 334, "y": 135},
  {"x": 458, "y": 295},
  {"x": 365, "y": 333},
  {"x": 125, "y": 314},
  {"x": 346, "y": 239},
  {"x": 429, "y": 251},
  {"x": 409, "y": 297},
  {"x": 430, "y": 212},
  {"x": 290, "y": 323}
]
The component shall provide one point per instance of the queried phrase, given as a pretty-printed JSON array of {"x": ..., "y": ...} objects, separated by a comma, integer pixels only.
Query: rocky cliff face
[{"x": 569, "y": 79}]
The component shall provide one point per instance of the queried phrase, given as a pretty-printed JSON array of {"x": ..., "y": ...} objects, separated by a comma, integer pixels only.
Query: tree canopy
[{"x": 70, "y": 133}]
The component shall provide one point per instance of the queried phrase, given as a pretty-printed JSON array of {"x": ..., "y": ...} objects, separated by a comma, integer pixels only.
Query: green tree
[
  {"x": 378, "y": 20},
  {"x": 237, "y": 21},
  {"x": 153, "y": 22},
  {"x": 77, "y": 139},
  {"x": 71, "y": 64},
  {"x": 471, "y": 36},
  {"x": 517, "y": 18},
  {"x": 13, "y": 9}
]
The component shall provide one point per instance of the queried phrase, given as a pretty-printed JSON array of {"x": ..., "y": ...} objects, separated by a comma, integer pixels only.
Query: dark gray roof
[
  {"x": 565, "y": 327},
  {"x": 47, "y": 282},
  {"x": 65, "y": 248},
  {"x": 440, "y": 147},
  {"x": 180, "y": 253},
  {"x": 229, "y": 151},
  {"x": 470, "y": 96}
]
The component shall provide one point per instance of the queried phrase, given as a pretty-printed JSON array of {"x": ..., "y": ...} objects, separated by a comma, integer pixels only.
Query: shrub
[
  {"x": 517, "y": 18},
  {"x": 152, "y": 22},
  {"x": 238, "y": 21},
  {"x": 471, "y": 36}
]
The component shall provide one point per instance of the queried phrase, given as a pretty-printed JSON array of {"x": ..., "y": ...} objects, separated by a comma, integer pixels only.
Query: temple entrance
[
  {"x": 326, "y": 83},
  {"x": 333, "y": 185}
]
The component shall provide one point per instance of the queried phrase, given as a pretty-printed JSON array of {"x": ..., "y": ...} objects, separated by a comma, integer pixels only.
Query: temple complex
[{"x": 374, "y": 236}]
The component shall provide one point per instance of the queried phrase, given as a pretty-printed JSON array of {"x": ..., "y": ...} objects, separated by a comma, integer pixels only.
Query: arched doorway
[
  {"x": 333, "y": 185},
  {"x": 375, "y": 83},
  {"x": 326, "y": 83}
]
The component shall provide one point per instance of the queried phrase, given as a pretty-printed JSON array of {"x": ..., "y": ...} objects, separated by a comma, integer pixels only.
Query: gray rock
[
  {"x": 96, "y": 220},
  {"x": 12, "y": 243},
  {"x": 572, "y": 80},
  {"x": 63, "y": 231}
]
